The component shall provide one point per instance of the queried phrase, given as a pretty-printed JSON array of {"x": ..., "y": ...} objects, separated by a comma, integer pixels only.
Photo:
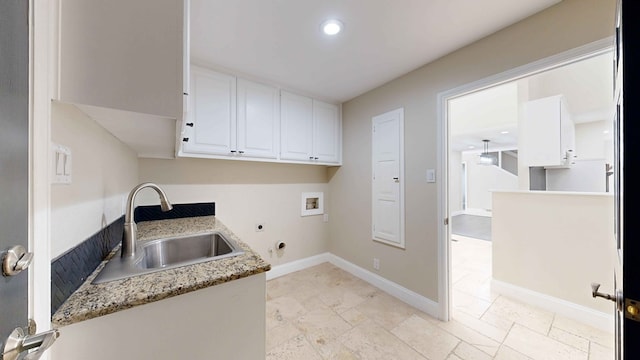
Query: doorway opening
[{"x": 496, "y": 109}]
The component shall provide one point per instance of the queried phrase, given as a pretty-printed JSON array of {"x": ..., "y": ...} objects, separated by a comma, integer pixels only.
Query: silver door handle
[
  {"x": 32, "y": 345},
  {"x": 617, "y": 298},
  {"x": 16, "y": 260}
]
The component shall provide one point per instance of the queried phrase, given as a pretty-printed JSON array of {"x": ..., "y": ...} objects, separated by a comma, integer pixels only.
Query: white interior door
[{"x": 388, "y": 178}]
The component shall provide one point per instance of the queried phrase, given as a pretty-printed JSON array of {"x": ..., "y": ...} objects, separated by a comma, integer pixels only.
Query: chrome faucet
[{"x": 130, "y": 229}]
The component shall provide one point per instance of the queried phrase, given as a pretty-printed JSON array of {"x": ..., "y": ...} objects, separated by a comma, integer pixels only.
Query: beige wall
[
  {"x": 541, "y": 243},
  {"x": 569, "y": 24},
  {"x": 246, "y": 193},
  {"x": 103, "y": 171}
]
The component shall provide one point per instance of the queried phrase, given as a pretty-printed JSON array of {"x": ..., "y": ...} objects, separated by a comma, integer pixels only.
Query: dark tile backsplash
[
  {"x": 153, "y": 212},
  {"x": 71, "y": 269}
]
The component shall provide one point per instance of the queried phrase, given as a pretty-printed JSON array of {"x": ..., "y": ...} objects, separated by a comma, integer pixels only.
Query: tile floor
[{"x": 326, "y": 313}]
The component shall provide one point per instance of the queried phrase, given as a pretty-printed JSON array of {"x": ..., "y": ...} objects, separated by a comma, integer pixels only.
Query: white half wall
[
  {"x": 482, "y": 179},
  {"x": 555, "y": 244}
]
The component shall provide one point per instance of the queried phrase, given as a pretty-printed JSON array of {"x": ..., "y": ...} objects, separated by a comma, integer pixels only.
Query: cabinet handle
[
  {"x": 310, "y": 157},
  {"x": 241, "y": 152},
  {"x": 315, "y": 158},
  {"x": 232, "y": 151},
  {"x": 189, "y": 124}
]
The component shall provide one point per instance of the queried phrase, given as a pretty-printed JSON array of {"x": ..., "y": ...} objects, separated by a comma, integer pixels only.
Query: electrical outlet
[
  {"x": 376, "y": 263},
  {"x": 259, "y": 227}
]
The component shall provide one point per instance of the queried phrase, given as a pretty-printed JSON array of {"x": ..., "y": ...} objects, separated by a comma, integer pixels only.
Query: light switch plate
[
  {"x": 61, "y": 166},
  {"x": 431, "y": 175}
]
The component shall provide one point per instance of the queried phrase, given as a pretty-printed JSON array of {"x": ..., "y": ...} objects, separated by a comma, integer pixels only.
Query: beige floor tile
[
  {"x": 369, "y": 341},
  {"x": 568, "y": 338},
  {"x": 468, "y": 352},
  {"x": 529, "y": 316},
  {"x": 295, "y": 349},
  {"x": 507, "y": 353},
  {"x": 340, "y": 299},
  {"x": 498, "y": 321},
  {"x": 454, "y": 357},
  {"x": 335, "y": 350},
  {"x": 599, "y": 352},
  {"x": 354, "y": 317},
  {"x": 603, "y": 338},
  {"x": 469, "y": 304},
  {"x": 471, "y": 336},
  {"x": 280, "y": 334},
  {"x": 538, "y": 346},
  {"x": 489, "y": 330},
  {"x": 321, "y": 326},
  {"x": 282, "y": 309},
  {"x": 426, "y": 338},
  {"x": 386, "y": 310}
]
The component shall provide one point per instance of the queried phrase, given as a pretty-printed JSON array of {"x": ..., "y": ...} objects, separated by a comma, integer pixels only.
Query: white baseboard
[
  {"x": 583, "y": 314},
  {"x": 414, "y": 299},
  {"x": 297, "y": 265}
]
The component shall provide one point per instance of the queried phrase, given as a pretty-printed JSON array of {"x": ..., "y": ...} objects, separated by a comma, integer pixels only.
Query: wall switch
[
  {"x": 259, "y": 227},
  {"x": 376, "y": 263},
  {"x": 431, "y": 175},
  {"x": 61, "y": 164}
]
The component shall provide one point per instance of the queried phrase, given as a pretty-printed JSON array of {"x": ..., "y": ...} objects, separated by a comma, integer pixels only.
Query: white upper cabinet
[
  {"x": 296, "y": 120},
  {"x": 126, "y": 65},
  {"x": 211, "y": 125},
  {"x": 230, "y": 117},
  {"x": 327, "y": 131},
  {"x": 311, "y": 130},
  {"x": 547, "y": 133},
  {"x": 234, "y": 118},
  {"x": 258, "y": 128},
  {"x": 124, "y": 55}
]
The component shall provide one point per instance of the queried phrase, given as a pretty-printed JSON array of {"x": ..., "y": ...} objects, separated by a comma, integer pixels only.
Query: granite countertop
[{"x": 94, "y": 300}]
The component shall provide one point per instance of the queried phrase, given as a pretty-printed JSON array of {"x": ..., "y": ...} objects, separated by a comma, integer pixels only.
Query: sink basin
[{"x": 169, "y": 253}]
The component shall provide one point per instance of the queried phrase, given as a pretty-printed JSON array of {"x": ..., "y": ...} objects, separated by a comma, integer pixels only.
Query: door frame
[
  {"x": 43, "y": 79},
  {"x": 444, "y": 232}
]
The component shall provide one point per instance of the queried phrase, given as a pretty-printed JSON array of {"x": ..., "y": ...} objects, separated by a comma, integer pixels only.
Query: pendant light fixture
[{"x": 485, "y": 158}]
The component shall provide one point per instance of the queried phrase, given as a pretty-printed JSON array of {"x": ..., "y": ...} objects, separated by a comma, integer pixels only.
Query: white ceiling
[
  {"x": 280, "y": 42},
  {"x": 587, "y": 86}
]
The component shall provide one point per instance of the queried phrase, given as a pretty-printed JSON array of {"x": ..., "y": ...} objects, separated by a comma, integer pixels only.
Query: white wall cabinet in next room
[
  {"x": 547, "y": 133},
  {"x": 311, "y": 130}
]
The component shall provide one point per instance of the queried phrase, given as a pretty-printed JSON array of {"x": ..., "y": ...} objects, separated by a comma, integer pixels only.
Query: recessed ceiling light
[
  {"x": 471, "y": 147},
  {"x": 504, "y": 132},
  {"x": 605, "y": 132},
  {"x": 332, "y": 27}
]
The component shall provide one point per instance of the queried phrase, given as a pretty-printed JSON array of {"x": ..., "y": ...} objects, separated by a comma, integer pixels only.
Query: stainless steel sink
[{"x": 168, "y": 253}]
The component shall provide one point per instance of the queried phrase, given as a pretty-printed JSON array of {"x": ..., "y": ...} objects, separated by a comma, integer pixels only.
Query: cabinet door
[
  {"x": 296, "y": 121},
  {"x": 258, "y": 120},
  {"x": 326, "y": 132},
  {"x": 122, "y": 54},
  {"x": 541, "y": 132},
  {"x": 213, "y": 113}
]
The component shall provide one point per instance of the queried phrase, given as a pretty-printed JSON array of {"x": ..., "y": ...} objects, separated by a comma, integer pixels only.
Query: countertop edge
[{"x": 93, "y": 300}]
